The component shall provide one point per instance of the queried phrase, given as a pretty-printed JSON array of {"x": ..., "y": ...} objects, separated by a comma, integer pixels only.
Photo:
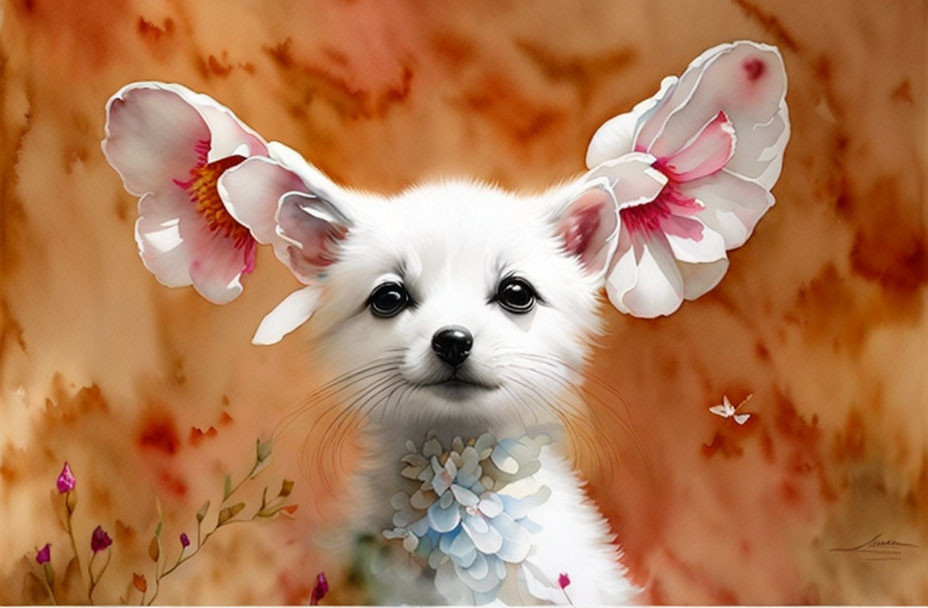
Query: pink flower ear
[
  {"x": 588, "y": 225},
  {"x": 691, "y": 170},
  {"x": 313, "y": 227}
]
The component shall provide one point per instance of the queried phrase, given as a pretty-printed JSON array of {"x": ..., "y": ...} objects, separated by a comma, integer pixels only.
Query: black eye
[
  {"x": 388, "y": 300},
  {"x": 516, "y": 295}
]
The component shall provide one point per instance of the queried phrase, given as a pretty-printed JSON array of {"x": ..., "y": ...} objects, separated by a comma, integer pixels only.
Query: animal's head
[{"x": 459, "y": 299}]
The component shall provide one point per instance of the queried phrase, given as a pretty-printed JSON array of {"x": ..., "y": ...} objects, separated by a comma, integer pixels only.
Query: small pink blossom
[
  {"x": 320, "y": 589},
  {"x": 691, "y": 169},
  {"x": 563, "y": 580},
  {"x": 44, "y": 555},
  {"x": 66, "y": 480},
  {"x": 184, "y": 540},
  {"x": 100, "y": 540}
]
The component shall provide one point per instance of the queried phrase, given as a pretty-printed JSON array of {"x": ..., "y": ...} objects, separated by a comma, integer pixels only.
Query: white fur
[{"x": 450, "y": 243}]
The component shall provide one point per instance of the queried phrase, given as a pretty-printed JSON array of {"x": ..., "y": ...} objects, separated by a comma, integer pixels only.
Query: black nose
[{"x": 452, "y": 344}]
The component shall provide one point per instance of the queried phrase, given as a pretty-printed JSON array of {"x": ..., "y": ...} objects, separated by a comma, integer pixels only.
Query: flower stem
[
  {"x": 202, "y": 538},
  {"x": 67, "y": 502},
  {"x": 95, "y": 580},
  {"x": 90, "y": 573},
  {"x": 48, "y": 589}
]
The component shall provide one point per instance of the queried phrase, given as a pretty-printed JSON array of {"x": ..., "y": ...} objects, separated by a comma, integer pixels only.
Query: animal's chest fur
[{"x": 569, "y": 536}]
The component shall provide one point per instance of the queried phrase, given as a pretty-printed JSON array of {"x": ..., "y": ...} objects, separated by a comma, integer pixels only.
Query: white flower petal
[
  {"x": 400, "y": 500},
  {"x": 410, "y": 542},
  {"x": 446, "y": 500},
  {"x": 462, "y": 550},
  {"x": 510, "y": 455},
  {"x": 153, "y": 136},
  {"x": 624, "y": 272},
  {"x": 411, "y": 472},
  {"x": 291, "y": 313},
  {"x": 404, "y": 517},
  {"x": 464, "y": 496},
  {"x": 230, "y": 134},
  {"x": 431, "y": 449},
  {"x": 756, "y": 157},
  {"x": 478, "y": 576},
  {"x": 442, "y": 481},
  {"x": 709, "y": 248},
  {"x": 444, "y": 519},
  {"x": 517, "y": 508},
  {"x": 490, "y": 504},
  {"x": 484, "y": 445},
  {"x": 633, "y": 180},
  {"x": 707, "y": 152},
  {"x": 251, "y": 191},
  {"x": 217, "y": 266},
  {"x": 733, "y": 204},
  {"x": 163, "y": 235},
  {"x": 420, "y": 527},
  {"x": 617, "y": 135},
  {"x": 658, "y": 287},
  {"x": 450, "y": 586},
  {"x": 422, "y": 500},
  {"x": 517, "y": 542},
  {"x": 747, "y": 81},
  {"x": 699, "y": 279},
  {"x": 480, "y": 568},
  {"x": 540, "y": 585},
  {"x": 486, "y": 538}
]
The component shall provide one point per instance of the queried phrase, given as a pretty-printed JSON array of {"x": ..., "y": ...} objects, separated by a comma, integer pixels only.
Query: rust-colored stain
[{"x": 159, "y": 432}]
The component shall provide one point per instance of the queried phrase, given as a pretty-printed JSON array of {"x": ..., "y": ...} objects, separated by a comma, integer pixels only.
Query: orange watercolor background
[{"x": 150, "y": 392}]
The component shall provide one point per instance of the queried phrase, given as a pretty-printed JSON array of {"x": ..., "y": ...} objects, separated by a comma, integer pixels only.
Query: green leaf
[
  {"x": 227, "y": 488},
  {"x": 259, "y": 466},
  {"x": 229, "y": 512},
  {"x": 285, "y": 488},
  {"x": 263, "y": 450},
  {"x": 158, "y": 529},
  {"x": 201, "y": 514}
]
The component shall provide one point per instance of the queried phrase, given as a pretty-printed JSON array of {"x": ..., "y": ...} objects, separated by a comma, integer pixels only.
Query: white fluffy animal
[
  {"x": 459, "y": 315},
  {"x": 467, "y": 310}
]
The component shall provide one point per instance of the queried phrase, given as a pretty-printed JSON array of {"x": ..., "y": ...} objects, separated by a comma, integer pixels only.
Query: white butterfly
[{"x": 727, "y": 410}]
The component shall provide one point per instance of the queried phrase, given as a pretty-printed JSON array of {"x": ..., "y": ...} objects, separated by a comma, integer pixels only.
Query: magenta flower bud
[
  {"x": 44, "y": 554},
  {"x": 184, "y": 540},
  {"x": 100, "y": 540},
  {"x": 563, "y": 580},
  {"x": 66, "y": 481},
  {"x": 320, "y": 588}
]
